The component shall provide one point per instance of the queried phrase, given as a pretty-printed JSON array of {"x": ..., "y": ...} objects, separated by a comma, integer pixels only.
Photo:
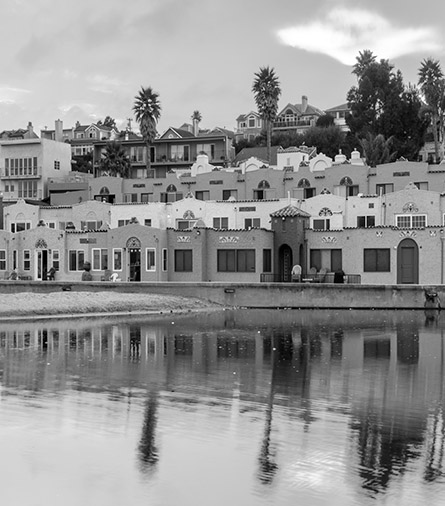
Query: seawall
[{"x": 260, "y": 295}]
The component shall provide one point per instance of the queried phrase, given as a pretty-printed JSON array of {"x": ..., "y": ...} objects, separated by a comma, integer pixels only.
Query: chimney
[
  {"x": 58, "y": 132},
  {"x": 303, "y": 103},
  {"x": 195, "y": 127},
  {"x": 30, "y": 129}
]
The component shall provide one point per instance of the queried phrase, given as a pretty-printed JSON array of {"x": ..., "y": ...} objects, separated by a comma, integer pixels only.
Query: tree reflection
[
  {"x": 148, "y": 452},
  {"x": 282, "y": 351}
]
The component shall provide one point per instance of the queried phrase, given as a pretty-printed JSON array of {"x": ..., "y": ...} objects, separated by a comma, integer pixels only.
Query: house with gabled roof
[
  {"x": 297, "y": 117},
  {"x": 339, "y": 114},
  {"x": 248, "y": 126},
  {"x": 177, "y": 149}
]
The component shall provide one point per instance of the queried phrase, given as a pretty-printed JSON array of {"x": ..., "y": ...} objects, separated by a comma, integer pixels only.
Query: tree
[
  {"x": 147, "y": 110},
  {"x": 328, "y": 140},
  {"x": 109, "y": 122},
  {"x": 267, "y": 91},
  {"x": 381, "y": 104},
  {"x": 377, "y": 150},
  {"x": 432, "y": 86},
  {"x": 115, "y": 160},
  {"x": 326, "y": 120}
]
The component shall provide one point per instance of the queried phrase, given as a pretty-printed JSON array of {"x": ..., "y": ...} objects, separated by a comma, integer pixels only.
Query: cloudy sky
[{"x": 84, "y": 60}]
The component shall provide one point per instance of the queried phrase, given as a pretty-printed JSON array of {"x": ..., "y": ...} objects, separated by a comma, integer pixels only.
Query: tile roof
[
  {"x": 290, "y": 211},
  {"x": 259, "y": 152}
]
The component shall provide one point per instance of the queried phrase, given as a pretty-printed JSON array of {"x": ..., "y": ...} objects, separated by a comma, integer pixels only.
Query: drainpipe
[{"x": 441, "y": 259}]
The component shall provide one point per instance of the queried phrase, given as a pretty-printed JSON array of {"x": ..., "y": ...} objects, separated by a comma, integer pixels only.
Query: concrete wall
[{"x": 258, "y": 295}]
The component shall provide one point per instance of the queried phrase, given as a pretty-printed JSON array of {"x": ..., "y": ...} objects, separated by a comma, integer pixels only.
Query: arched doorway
[
  {"x": 134, "y": 253},
  {"x": 407, "y": 262},
  {"x": 285, "y": 266}
]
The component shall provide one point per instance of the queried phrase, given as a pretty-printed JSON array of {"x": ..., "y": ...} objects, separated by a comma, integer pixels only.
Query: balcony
[
  {"x": 292, "y": 124},
  {"x": 8, "y": 174},
  {"x": 173, "y": 159}
]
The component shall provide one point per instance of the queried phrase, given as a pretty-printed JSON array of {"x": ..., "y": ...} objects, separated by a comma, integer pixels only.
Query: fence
[{"x": 349, "y": 279}]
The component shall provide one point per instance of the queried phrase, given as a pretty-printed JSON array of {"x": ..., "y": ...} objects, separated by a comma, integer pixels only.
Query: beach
[{"x": 88, "y": 303}]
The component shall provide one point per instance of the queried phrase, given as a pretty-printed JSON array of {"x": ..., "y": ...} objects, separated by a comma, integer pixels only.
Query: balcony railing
[
  {"x": 35, "y": 173},
  {"x": 291, "y": 124}
]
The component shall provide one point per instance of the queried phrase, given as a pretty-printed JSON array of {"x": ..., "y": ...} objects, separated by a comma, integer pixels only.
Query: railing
[
  {"x": 290, "y": 124},
  {"x": 36, "y": 172},
  {"x": 349, "y": 279}
]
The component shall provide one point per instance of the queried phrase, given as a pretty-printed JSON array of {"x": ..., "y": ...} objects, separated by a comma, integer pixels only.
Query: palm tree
[
  {"x": 377, "y": 149},
  {"x": 267, "y": 91},
  {"x": 147, "y": 110},
  {"x": 115, "y": 161},
  {"x": 432, "y": 86}
]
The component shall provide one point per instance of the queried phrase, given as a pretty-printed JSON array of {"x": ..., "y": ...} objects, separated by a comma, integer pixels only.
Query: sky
[{"x": 84, "y": 60}]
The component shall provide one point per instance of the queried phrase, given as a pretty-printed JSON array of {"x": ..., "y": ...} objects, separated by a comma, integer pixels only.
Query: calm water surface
[{"x": 233, "y": 408}]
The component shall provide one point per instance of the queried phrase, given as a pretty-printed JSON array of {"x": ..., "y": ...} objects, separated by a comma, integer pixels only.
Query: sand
[{"x": 88, "y": 303}]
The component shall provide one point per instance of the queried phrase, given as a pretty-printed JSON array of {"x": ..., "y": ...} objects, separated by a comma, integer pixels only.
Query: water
[{"x": 232, "y": 408}]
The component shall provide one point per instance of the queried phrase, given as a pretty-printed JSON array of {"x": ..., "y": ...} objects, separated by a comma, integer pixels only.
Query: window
[
  {"x": 26, "y": 260},
  {"x": 308, "y": 193},
  {"x": 164, "y": 259},
  {"x": 185, "y": 224},
  {"x": 221, "y": 223},
  {"x": 251, "y": 122},
  {"x": 130, "y": 197},
  {"x": 179, "y": 153},
  {"x": 382, "y": 189},
  {"x": 352, "y": 191},
  {"x": 15, "y": 255},
  {"x": 147, "y": 222},
  {"x": 2, "y": 260},
  {"x": 150, "y": 254},
  {"x": 146, "y": 197},
  {"x": 252, "y": 223},
  {"x": 321, "y": 224},
  {"x": 19, "y": 226},
  {"x": 137, "y": 154},
  {"x": 117, "y": 259},
  {"x": 27, "y": 189},
  {"x": 207, "y": 149},
  {"x": 100, "y": 259},
  {"x": 76, "y": 260},
  {"x": 90, "y": 225},
  {"x": 122, "y": 223},
  {"x": 56, "y": 165},
  {"x": 330, "y": 259},
  {"x": 170, "y": 197},
  {"x": 267, "y": 260},
  {"x": 56, "y": 259},
  {"x": 411, "y": 221},
  {"x": 365, "y": 221},
  {"x": 422, "y": 185},
  {"x": 376, "y": 260},
  {"x": 183, "y": 260},
  {"x": 202, "y": 195},
  {"x": 241, "y": 260},
  {"x": 226, "y": 194}
]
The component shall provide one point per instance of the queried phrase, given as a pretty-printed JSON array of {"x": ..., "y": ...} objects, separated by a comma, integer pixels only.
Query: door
[
  {"x": 407, "y": 262},
  {"x": 135, "y": 264},
  {"x": 42, "y": 264},
  {"x": 285, "y": 257}
]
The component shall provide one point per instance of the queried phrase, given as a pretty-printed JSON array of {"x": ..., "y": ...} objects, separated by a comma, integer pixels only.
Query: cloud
[{"x": 344, "y": 32}]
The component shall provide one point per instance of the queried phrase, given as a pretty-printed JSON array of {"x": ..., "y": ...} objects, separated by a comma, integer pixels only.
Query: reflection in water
[
  {"x": 349, "y": 394},
  {"x": 148, "y": 452}
]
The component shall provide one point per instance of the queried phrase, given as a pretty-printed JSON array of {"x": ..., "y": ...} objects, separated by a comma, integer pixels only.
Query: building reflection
[{"x": 386, "y": 376}]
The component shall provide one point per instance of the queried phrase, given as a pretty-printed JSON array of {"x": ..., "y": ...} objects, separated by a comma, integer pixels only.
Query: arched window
[
  {"x": 104, "y": 191},
  {"x": 263, "y": 184},
  {"x": 304, "y": 183},
  {"x": 171, "y": 188},
  {"x": 346, "y": 181}
]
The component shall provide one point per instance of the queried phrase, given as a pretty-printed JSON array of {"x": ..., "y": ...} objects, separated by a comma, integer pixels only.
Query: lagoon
[{"x": 239, "y": 407}]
